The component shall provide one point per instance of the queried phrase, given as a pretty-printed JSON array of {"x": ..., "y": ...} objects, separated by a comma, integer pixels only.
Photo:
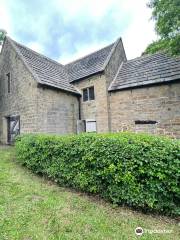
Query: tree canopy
[
  {"x": 2, "y": 35},
  {"x": 166, "y": 14}
]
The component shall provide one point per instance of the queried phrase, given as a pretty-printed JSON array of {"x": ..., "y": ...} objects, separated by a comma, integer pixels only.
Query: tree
[
  {"x": 166, "y": 14},
  {"x": 2, "y": 35}
]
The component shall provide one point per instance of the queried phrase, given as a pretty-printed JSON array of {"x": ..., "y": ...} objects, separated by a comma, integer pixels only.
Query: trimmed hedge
[{"x": 137, "y": 170}]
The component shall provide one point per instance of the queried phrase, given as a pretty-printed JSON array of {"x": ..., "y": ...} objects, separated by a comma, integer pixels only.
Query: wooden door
[{"x": 13, "y": 128}]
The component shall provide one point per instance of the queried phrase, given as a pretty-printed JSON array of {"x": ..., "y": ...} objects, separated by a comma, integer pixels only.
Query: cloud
[
  {"x": 36, "y": 47},
  {"x": 140, "y": 31},
  {"x": 80, "y": 52},
  {"x": 4, "y": 17},
  {"x": 65, "y": 30},
  {"x": 84, "y": 9}
]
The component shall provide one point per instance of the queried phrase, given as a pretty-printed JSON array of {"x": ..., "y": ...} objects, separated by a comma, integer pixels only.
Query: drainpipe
[{"x": 79, "y": 107}]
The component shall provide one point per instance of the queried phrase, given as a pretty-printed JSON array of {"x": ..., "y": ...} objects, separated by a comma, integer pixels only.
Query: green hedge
[{"x": 137, "y": 170}]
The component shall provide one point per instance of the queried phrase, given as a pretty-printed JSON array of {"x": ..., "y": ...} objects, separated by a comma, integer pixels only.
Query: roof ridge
[
  {"x": 87, "y": 55},
  {"x": 17, "y": 49},
  {"x": 142, "y": 57},
  {"x": 152, "y": 55},
  {"x": 40, "y": 54},
  {"x": 146, "y": 70}
]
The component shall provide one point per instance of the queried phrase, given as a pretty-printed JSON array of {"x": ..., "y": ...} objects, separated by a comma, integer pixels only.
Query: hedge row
[{"x": 137, "y": 170}]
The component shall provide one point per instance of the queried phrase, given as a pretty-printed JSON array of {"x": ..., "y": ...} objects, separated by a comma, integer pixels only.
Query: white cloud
[
  {"x": 141, "y": 30},
  {"x": 81, "y": 51},
  {"x": 133, "y": 14},
  {"x": 87, "y": 8},
  {"x": 139, "y": 33},
  {"x": 36, "y": 47},
  {"x": 4, "y": 17}
]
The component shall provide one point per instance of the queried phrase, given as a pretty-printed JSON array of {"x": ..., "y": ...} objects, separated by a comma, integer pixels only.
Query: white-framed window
[
  {"x": 88, "y": 94},
  {"x": 90, "y": 125}
]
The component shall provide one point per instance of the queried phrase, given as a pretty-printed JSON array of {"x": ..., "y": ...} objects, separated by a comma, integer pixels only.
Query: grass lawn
[{"x": 34, "y": 208}]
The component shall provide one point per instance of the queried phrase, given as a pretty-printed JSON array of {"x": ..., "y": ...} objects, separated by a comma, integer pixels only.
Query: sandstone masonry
[
  {"x": 155, "y": 103},
  {"x": 140, "y": 95}
]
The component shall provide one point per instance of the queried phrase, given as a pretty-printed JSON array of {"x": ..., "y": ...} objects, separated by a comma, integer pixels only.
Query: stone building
[{"x": 101, "y": 92}]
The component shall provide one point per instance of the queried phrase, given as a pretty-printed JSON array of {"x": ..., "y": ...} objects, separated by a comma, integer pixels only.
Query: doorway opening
[{"x": 13, "y": 127}]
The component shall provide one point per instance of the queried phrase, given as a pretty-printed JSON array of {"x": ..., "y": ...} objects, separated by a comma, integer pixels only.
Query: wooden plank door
[{"x": 13, "y": 128}]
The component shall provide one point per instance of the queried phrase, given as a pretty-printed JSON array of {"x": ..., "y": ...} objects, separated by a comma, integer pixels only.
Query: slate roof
[
  {"x": 46, "y": 71},
  {"x": 90, "y": 64},
  {"x": 145, "y": 70}
]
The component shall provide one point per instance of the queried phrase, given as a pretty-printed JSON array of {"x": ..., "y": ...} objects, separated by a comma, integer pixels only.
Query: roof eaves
[
  {"x": 144, "y": 84},
  {"x": 75, "y": 92},
  {"x": 35, "y": 76},
  {"x": 23, "y": 60},
  {"x": 88, "y": 76}
]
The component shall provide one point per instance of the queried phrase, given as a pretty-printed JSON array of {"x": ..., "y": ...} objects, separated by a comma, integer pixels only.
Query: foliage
[
  {"x": 2, "y": 35},
  {"x": 133, "y": 169},
  {"x": 33, "y": 208},
  {"x": 166, "y": 14},
  {"x": 170, "y": 46}
]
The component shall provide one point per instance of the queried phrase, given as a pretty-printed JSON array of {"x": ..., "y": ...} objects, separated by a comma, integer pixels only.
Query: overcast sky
[{"x": 68, "y": 29}]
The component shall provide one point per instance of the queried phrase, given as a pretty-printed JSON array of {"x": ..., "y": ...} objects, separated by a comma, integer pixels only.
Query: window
[
  {"x": 91, "y": 93},
  {"x": 88, "y": 94},
  {"x": 90, "y": 125},
  {"x": 8, "y": 82},
  {"x": 85, "y": 95}
]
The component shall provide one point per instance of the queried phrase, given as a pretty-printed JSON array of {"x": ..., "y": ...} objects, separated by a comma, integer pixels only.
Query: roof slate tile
[
  {"x": 48, "y": 72},
  {"x": 149, "y": 69},
  {"x": 90, "y": 64}
]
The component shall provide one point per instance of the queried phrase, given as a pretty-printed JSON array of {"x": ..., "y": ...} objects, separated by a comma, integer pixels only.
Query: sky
[{"x": 65, "y": 30}]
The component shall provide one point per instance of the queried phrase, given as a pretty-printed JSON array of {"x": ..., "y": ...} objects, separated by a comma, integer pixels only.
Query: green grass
[{"x": 34, "y": 208}]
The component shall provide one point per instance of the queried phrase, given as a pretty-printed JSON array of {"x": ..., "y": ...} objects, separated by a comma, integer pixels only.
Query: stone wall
[
  {"x": 98, "y": 109},
  {"x": 95, "y": 109},
  {"x": 117, "y": 57},
  {"x": 23, "y": 92},
  {"x": 48, "y": 110},
  {"x": 40, "y": 110},
  {"x": 158, "y": 103},
  {"x": 58, "y": 111}
]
